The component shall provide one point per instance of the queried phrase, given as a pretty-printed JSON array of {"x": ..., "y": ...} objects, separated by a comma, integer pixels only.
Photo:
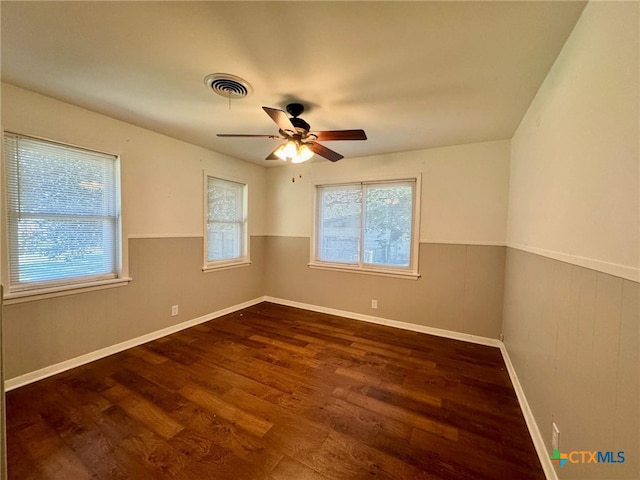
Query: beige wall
[
  {"x": 464, "y": 191},
  {"x": 165, "y": 271},
  {"x": 464, "y": 199},
  {"x": 574, "y": 168},
  {"x": 161, "y": 177},
  {"x": 460, "y": 288},
  {"x": 572, "y": 335},
  {"x": 464, "y": 207},
  {"x": 572, "y": 332},
  {"x": 3, "y": 450},
  {"x": 162, "y": 202}
]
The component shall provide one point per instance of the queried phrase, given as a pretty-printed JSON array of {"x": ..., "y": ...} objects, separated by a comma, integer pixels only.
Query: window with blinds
[
  {"x": 226, "y": 224},
  {"x": 367, "y": 225},
  {"x": 63, "y": 214}
]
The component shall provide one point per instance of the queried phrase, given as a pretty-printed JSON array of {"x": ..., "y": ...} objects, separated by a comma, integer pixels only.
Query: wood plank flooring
[{"x": 276, "y": 393}]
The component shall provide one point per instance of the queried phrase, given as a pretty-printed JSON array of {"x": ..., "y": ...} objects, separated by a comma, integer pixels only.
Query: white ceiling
[{"x": 413, "y": 75}]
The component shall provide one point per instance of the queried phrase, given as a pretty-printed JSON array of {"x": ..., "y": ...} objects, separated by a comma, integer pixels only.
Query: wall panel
[
  {"x": 165, "y": 271},
  {"x": 573, "y": 338},
  {"x": 460, "y": 288}
]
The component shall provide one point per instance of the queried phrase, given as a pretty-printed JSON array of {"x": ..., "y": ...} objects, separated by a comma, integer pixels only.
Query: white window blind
[
  {"x": 226, "y": 220},
  {"x": 63, "y": 214},
  {"x": 366, "y": 224}
]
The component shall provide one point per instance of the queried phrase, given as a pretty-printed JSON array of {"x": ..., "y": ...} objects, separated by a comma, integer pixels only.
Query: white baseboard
[
  {"x": 491, "y": 342},
  {"x": 534, "y": 432},
  {"x": 51, "y": 370}
]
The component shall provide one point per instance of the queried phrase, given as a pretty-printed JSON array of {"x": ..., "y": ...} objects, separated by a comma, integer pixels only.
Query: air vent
[{"x": 228, "y": 86}]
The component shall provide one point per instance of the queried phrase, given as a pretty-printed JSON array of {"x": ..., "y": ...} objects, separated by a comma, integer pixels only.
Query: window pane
[
  {"x": 340, "y": 224},
  {"x": 388, "y": 220},
  {"x": 62, "y": 207},
  {"x": 225, "y": 201},
  {"x": 366, "y": 224},
  {"x": 223, "y": 241},
  {"x": 225, "y": 219},
  {"x": 63, "y": 249}
]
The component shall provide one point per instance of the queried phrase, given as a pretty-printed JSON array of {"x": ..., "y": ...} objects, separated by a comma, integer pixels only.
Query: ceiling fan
[{"x": 301, "y": 143}]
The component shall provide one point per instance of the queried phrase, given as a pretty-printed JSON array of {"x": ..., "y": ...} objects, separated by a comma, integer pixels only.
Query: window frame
[
  {"x": 21, "y": 292},
  {"x": 409, "y": 272},
  {"x": 244, "y": 259}
]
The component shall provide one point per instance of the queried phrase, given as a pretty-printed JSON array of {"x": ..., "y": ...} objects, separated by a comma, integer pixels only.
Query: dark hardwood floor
[{"x": 276, "y": 393}]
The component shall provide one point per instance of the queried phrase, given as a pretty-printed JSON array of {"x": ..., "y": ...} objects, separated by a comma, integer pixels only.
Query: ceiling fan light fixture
[
  {"x": 290, "y": 149},
  {"x": 286, "y": 151},
  {"x": 279, "y": 152},
  {"x": 293, "y": 151},
  {"x": 304, "y": 154}
]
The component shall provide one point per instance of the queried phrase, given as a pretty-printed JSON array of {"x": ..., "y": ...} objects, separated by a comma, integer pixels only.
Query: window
[
  {"x": 226, "y": 223},
  {"x": 63, "y": 209},
  {"x": 368, "y": 226}
]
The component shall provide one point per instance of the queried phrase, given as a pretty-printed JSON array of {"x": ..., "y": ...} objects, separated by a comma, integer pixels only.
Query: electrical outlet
[
  {"x": 555, "y": 437},
  {"x": 174, "y": 310},
  {"x": 374, "y": 303}
]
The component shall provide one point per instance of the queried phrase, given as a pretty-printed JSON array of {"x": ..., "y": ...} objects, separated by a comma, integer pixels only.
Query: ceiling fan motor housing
[
  {"x": 295, "y": 109},
  {"x": 300, "y": 123}
]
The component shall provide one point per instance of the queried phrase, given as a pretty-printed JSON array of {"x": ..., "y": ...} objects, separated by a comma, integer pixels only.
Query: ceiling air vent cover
[{"x": 228, "y": 86}]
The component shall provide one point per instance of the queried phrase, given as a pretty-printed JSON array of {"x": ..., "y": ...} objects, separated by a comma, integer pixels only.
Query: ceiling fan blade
[
  {"x": 324, "y": 152},
  {"x": 246, "y": 135},
  {"x": 281, "y": 119},
  {"x": 340, "y": 135}
]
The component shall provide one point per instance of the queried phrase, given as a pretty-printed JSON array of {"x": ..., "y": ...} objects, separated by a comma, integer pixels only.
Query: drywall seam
[
  {"x": 482, "y": 243},
  {"x": 177, "y": 235},
  {"x": 165, "y": 235}
]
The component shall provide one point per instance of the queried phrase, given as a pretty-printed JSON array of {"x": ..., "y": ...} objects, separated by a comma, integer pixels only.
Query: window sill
[
  {"x": 407, "y": 275},
  {"x": 225, "y": 266},
  {"x": 59, "y": 291}
]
